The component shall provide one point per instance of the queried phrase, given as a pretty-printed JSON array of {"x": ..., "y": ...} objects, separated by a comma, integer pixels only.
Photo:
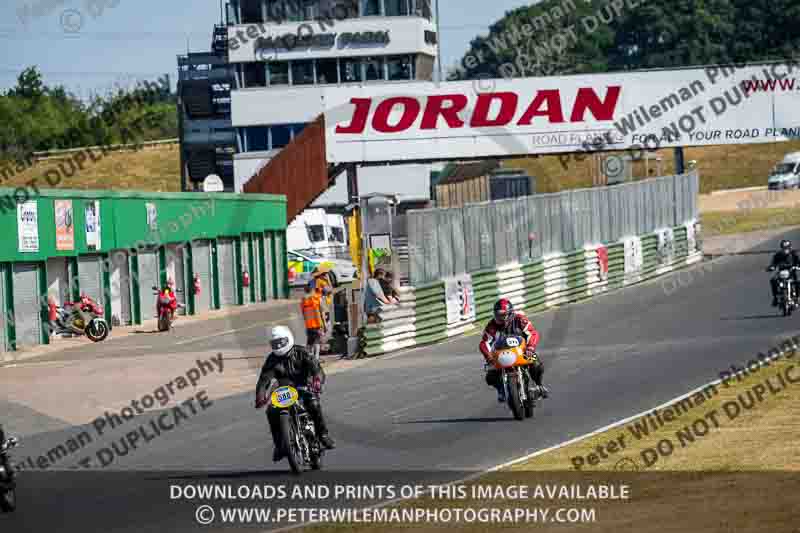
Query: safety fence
[
  {"x": 477, "y": 237},
  {"x": 460, "y": 304}
]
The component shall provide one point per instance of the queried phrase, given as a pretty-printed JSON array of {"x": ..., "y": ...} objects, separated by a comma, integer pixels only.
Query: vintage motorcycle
[
  {"x": 787, "y": 290},
  {"x": 512, "y": 363},
  {"x": 8, "y": 494},
  {"x": 67, "y": 322},
  {"x": 299, "y": 434}
]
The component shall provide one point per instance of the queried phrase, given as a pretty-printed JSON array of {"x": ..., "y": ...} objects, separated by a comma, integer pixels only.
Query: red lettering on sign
[
  {"x": 587, "y": 99},
  {"x": 360, "y": 116},
  {"x": 435, "y": 108},
  {"x": 411, "y": 109},
  {"x": 546, "y": 103},
  {"x": 508, "y": 106},
  {"x": 553, "y": 111}
]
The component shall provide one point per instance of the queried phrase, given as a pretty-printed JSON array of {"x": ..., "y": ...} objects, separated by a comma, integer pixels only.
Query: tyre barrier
[{"x": 552, "y": 281}]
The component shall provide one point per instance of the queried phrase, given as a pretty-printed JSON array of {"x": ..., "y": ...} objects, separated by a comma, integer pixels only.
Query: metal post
[
  {"x": 352, "y": 184},
  {"x": 680, "y": 166},
  {"x": 438, "y": 42}
]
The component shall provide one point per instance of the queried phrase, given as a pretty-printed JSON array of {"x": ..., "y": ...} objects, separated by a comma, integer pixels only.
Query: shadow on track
[
  {"x": 751, "y": 317},
  {"x": 458, "y": 420}
]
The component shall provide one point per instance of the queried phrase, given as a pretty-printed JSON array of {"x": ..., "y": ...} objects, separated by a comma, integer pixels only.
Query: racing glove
[
  {"x": 261, "y": 401},
  {"x": 316, "y": 384}
]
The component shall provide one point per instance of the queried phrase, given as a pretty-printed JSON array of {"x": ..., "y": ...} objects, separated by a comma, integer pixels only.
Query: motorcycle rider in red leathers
[{"x": 506, "y": 321}]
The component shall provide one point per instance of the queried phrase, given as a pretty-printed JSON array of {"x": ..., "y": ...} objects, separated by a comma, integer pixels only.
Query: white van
[
  {"x": 786, "y": 174},
  {"x": 316, "y": 232}
]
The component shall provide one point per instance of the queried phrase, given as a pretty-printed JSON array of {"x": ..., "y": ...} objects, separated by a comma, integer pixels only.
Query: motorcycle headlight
[
  {"x": 2, "y": 471},
  {"x": 784, "y": 274}
]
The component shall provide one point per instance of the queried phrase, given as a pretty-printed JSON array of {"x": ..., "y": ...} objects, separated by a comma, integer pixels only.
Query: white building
[{"x": 284, "y": 51}]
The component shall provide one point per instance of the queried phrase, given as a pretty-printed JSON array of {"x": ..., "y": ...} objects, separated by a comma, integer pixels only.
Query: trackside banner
[{"x": 655, "y": 109}]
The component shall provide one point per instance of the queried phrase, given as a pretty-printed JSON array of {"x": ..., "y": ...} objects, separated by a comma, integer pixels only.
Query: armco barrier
[{"x": 552, "y": 281}]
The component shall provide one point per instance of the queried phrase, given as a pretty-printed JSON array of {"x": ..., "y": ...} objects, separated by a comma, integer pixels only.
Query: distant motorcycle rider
[
  {"x": 506, "y": 321},
  {"x": 785, "y": 259},
  {"x": 295, "y": 363}
]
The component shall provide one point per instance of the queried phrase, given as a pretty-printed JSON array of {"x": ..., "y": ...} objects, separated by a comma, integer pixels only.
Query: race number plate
[{"x": 284, "y": 397}]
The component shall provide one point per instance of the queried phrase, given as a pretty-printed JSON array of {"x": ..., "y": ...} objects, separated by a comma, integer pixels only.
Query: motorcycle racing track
[{"x": 430, "y": 410}]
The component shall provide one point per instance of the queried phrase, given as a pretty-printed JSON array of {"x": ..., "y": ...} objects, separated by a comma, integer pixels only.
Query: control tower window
[
  {"x": 327, "y": 71},
  {"x": 400, "y": 68},
  {"x": 350, "y": 70},
  {"x": 373, "y": 69},
  {"x": 251, "y": 12},
  {"x": 278, "y": 73},
  {"x": 397, "y": 8},
  {"x": 303, "y": 72},
  {"x": 370, "y": 7}
]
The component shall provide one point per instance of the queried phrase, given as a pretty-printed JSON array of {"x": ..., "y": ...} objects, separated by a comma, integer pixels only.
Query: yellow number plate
[{"x": 284, "y": 397}]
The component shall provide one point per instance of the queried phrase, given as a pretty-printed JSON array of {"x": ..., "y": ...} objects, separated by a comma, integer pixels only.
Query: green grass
[
  {"x": 746, "y": 220},
  {"x": 720, "y": 167}
]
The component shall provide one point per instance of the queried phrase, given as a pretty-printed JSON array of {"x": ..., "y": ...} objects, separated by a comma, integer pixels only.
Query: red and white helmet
[{"x": 503, "y": 312}]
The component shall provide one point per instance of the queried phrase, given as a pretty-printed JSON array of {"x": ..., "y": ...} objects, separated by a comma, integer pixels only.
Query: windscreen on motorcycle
[{"x": 508, "y": 341}]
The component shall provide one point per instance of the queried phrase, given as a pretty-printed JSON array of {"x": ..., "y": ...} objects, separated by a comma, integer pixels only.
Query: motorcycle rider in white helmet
[{"x": 292, "y": 362}]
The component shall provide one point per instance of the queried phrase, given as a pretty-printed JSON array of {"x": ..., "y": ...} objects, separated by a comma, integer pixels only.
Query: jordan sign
[{"x": 507, "y": 117}]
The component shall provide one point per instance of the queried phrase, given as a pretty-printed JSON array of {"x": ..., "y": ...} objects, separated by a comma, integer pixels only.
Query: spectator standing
[{"x": 311, "y": 306}]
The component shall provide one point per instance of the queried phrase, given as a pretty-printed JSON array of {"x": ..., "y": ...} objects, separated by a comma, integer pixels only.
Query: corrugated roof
[{"x": 467, "y": 171}]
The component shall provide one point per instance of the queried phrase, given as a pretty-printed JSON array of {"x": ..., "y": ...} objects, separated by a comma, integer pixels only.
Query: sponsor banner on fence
[
  {"x": 65, "y": 228},
  {"x": 602, "y": 258},
  {"x": 666, "y": 246},
  {"x": 634, "y": 258},
  {"x": 460, "y": 299},
  {"x": 686, "y": 107},
  {"x": 92, "y": 217},
  {"x": 28, "y": 226},
  {"x": 691, "y": 236}
]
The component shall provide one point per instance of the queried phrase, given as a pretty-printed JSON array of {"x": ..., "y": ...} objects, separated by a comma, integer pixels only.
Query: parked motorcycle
[
  {"x": 67, "y": 321},
  {"x": 299, "y": 434},
  {"x": 8, "y": 487},
  {"x": 787, "y": 290},
  {"x": 513, "y": 364},
  {"x": 166, "y": 305}
]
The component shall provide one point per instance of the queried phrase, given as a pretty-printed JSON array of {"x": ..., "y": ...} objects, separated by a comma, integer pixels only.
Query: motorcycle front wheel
[
  {"x": 163, "y": 323},
  {"x": 97, "y": 330},
  {"x": 514, "y": 401},
  {"x": 8, "y": 501},
  {"x": 293, "y": 452}
]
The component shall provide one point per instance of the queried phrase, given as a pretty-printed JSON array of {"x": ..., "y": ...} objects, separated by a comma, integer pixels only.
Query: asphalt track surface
[{"x": 429, "y": 410}]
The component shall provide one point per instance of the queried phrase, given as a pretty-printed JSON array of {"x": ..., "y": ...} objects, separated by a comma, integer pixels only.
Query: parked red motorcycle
[{"x": 166, "y": 305}]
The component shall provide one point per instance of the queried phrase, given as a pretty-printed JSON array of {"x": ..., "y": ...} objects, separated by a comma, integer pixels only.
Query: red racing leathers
[{"x": 519, "y": 325}]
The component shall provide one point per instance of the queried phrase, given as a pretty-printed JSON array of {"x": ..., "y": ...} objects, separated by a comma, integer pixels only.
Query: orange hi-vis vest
[{"x": 312, "y": 312}]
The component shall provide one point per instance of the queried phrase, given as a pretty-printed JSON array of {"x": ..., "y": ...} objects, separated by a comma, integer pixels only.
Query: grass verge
[{"x": 746, "y": 220}]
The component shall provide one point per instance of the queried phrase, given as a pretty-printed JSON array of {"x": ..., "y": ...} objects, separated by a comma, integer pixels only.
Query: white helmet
[{"x": 282, "y": 340}]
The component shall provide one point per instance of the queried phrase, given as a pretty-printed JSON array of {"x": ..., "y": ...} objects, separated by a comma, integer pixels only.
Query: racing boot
[
  {"x": 537, "y": 371},
  {"x": 501, "y": 393},
  {"x": 327, "y": 441},
  {"x": 278, "y": 454}
]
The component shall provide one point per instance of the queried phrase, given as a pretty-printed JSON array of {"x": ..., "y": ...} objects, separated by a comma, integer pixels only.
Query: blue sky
[{"x": 140, "y": 39}]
